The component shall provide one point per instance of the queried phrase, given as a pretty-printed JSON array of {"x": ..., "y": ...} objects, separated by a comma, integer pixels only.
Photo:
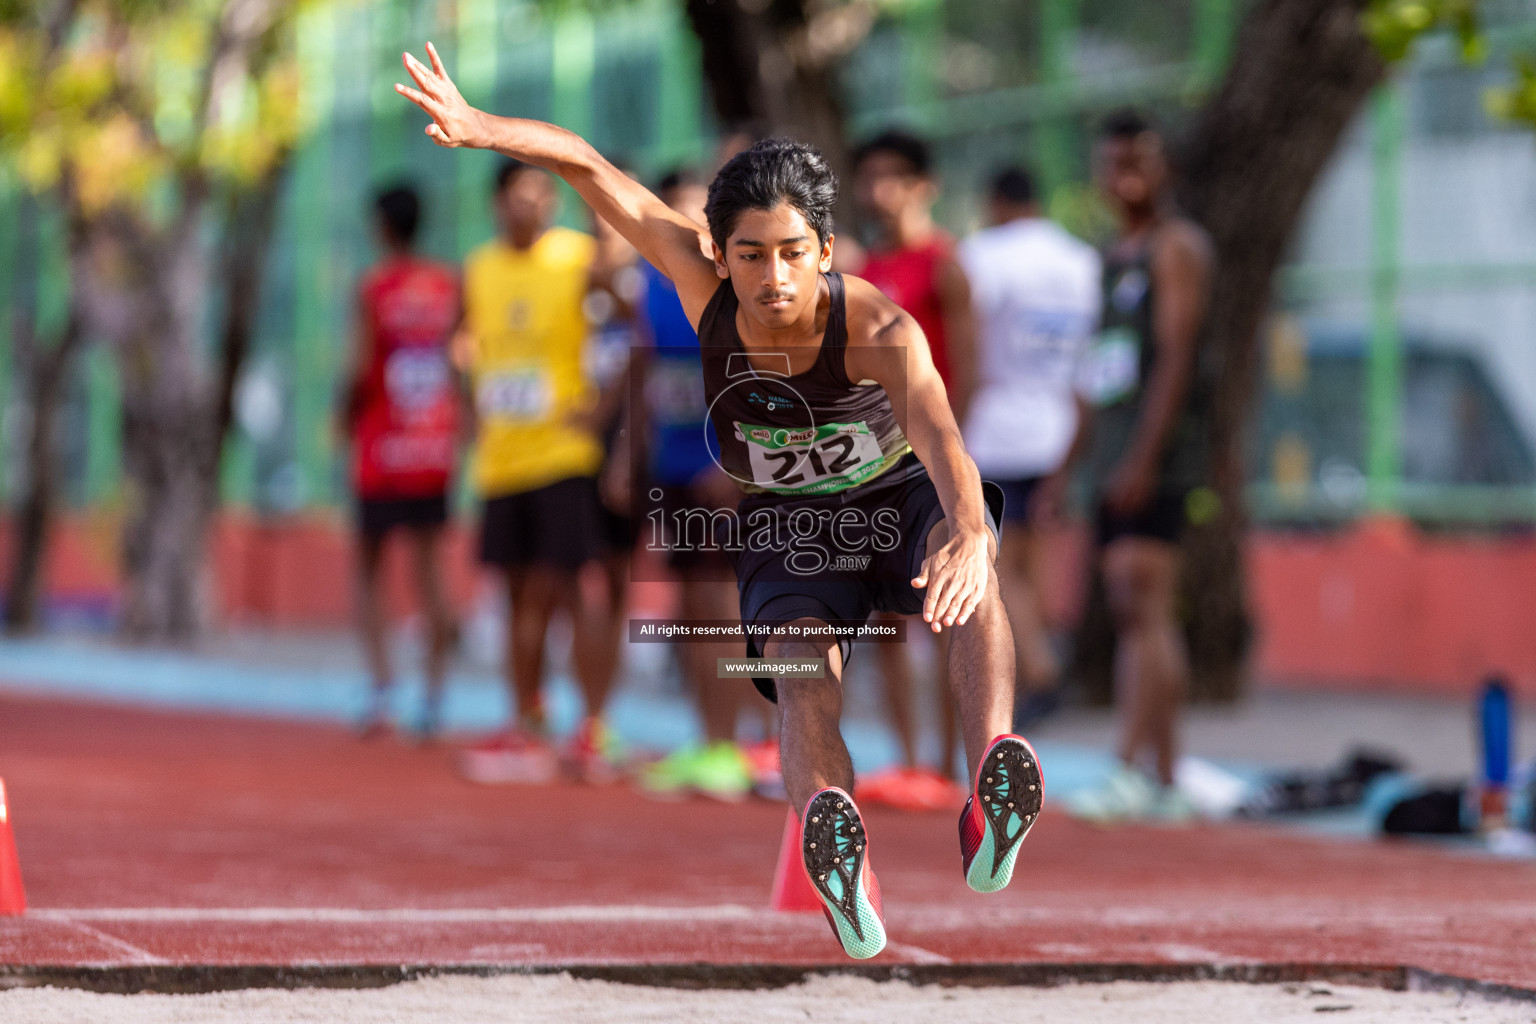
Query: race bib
[
  {"x": 812, "y": 460},
  {"x": 1043, "y": 344},
  {"x": 607, "y": 352},
  {"x": 674, "y": 390},
  {"x": 1112, "y": 367},
  {"x": 523, "y": 394},
  {"x": 416, "y": 378}
]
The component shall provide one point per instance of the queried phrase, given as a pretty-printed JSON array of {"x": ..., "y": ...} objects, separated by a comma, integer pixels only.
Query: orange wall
[
  {"x": 1384, "y": 605},
  {"x": 1374, "y": 606}
]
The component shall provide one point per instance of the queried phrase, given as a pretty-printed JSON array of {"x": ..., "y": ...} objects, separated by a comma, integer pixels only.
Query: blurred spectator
[
  {"x": 682, "y": 475},
  {"x": 536, "y": 462},
  {"x": 1146, "y": 454},
  {"x": 1035, "y": 289},
  {"x": 912, "y": 260},
  {"x": 400, "y": 415}
]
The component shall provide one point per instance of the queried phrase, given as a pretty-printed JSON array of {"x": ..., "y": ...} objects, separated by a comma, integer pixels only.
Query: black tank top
[
  {"x": 811, "y": 433},
  {"x": 1120, "y": 366}
]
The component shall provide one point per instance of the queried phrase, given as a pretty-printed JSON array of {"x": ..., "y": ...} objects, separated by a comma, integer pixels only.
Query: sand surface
[{"x": 466, "y": 1000}]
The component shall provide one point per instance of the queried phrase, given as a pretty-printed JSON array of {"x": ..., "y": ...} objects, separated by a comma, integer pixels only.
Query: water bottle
[{"x": 1494, "y": 721}]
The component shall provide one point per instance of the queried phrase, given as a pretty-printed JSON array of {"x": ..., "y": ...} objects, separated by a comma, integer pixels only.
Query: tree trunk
[
  {"x": 47, "y": 369},
  {"x": 770, "y": 67},
  {"x": 177, "y": 411},
  {"x": 170, "y": 450},
  {"x": 1301, "y": 72},
  {"x": 167, "y": 442},
  {"x": 33, "y": 523}
]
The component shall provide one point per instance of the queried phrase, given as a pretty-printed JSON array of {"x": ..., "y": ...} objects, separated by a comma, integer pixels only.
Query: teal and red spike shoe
[
  {"x": 835, "y": 849},
  {"x": 1004, "y": 803}
]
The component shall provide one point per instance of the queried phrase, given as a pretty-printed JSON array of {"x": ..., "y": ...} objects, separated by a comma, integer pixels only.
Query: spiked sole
[
  {"x": 1009, "y": 791},
  {"x": 833, "y": 847}
]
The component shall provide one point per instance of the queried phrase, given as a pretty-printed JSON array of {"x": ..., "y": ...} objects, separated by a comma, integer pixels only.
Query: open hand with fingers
[
  {"x": 454, "y": 122},
  {"x": 955, "y": 577}
]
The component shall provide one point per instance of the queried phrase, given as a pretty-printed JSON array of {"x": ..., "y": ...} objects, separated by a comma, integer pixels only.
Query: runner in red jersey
[
  {"x": 401, "y": 416},
  {"x": 912, "y": 260}
]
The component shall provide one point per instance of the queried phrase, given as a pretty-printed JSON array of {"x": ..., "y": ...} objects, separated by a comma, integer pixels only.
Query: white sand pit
[{"x": 826, "y": 1000}]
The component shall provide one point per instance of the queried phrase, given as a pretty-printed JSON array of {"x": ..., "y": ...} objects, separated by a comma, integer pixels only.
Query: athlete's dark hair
[
  {"x": 773, "y": 171},
  {"x": 399, "y": 209},
  {"x": 507, "y": 172},
  {"x": 1013, "y": 184},
  {"x": 1125, "y": 123},
  {"x": 898, "y": 143}
]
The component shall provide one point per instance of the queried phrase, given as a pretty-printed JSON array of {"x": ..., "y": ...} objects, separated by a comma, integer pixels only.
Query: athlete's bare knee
[
  {"x": 989, "y": 608},
  {"x": 798, "y": 639},
  {"x": 802, "y": 692}
]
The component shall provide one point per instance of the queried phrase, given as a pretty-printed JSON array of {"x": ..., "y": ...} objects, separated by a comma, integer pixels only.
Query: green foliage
[
  {"x": 1080, "y": 208},
  {"x": 1395, "y": 25},
  {"x": 1516, "y": 102},
  {"x": 120, "y": 100}
]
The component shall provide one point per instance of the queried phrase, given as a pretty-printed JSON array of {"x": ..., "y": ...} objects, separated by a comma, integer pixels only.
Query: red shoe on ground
[
  {"x": 835, "y": 849},
  {"x": 588, "y": 755},
  {"x": 515, "y": 756},
  {"x": 910, "y": 789},
  {"x": 763, "y": 765},
  {"x": 1003, "y": 807}
]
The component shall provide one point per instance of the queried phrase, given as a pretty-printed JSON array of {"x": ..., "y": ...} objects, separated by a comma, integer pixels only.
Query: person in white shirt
[{"x": 1035, "y": 288}]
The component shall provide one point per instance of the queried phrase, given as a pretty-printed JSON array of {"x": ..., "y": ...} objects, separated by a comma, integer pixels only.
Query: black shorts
[
  {"x": 1017, "y": 494},
  {"x": 376, "y": 517},
  {"x": 1162, "y": 519},
  {"x": 688, "y": 532},
  {"x": 830, "y": 569},
  {"x": 619, "y": 531},
  {"x": 559, "y": 525}
]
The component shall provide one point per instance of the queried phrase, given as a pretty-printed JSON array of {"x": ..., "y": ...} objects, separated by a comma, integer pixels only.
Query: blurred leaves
[
  {"x": 1516, "y": 102},
  {"x": 113, "y": 97},
  {"x": 1395, "y": 25},
  {"x": 1081, "y": 209}
]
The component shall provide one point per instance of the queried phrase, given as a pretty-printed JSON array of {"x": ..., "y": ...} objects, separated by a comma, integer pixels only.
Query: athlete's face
[
  {"x": 1132, "y": 171},
  {"x": 888, "y": 187},
  {"x": 526, "y": 206},
  {"x": 774, "y": 262}
]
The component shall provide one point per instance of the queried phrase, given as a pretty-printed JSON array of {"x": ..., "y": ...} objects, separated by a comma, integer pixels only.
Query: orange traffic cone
[
  {"x": 792, "y": 889},
  {"x": 13, "y": 899}
]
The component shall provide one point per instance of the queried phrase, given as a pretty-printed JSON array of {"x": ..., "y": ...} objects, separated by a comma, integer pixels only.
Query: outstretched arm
[
  {"x": 671, "y": 242},
  {"x": 886, "y": 345}
]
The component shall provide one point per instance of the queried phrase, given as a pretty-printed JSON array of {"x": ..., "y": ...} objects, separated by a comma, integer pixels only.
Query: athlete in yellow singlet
[
  {"x": 523, "y": 314},
  {"x": 536, "y": 459}
]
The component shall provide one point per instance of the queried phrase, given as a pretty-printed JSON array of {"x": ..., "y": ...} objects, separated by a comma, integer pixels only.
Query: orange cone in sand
[
  {"x": 13, "y": 899},
  {"x": 792, "y": 889}
]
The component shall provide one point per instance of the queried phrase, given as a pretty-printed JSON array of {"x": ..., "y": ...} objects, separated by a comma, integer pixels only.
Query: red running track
[{"x": 165, "y": 838}]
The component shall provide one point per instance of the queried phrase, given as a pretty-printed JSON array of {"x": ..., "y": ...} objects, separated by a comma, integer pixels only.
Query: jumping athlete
[
  {"x": 401, "y": 416},
  {"x": 828, "y": 411}
]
